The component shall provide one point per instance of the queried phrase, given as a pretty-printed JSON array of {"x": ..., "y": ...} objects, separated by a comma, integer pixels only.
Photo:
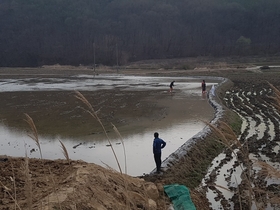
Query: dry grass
[
  {"x": 27, "y": 184},
  {"x": 25, "y": 166},
  {"x": 65, "y": 152},
  {"x": 8, "y": 191},
  {"x": 55, "y": 188},
  {"x": 121, "y": 138},
  {"x": 34, "y": 133},
  {"x": 14, "y": 183},
  {"x": 93, "y": 113}
]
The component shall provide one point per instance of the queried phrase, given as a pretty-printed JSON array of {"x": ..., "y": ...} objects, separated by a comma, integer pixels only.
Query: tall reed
[
  {"x": 65, "y": 152},
  {"x": 121, "y": 138},
  {"x": 34, "y": 133},
  {"x": 93, "y": 113},
  {"x": 13, "y": 179},
  {"x": 27, "y": 184}
]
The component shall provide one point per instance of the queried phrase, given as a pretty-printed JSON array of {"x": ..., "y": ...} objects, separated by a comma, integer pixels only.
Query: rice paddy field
[{"x": 239, "y": 173}]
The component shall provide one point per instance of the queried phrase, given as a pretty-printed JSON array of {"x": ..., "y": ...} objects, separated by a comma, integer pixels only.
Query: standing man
[
  {"x": 157, "y": 146},
  {"x": 171, "y": 86},
  {"x": 203, "y": 86}
]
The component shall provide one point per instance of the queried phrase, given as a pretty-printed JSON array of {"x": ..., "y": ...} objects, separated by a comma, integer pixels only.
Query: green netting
[{"x": 180, "y": 197}]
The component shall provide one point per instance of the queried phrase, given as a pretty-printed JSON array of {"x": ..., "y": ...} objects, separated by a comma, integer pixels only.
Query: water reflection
[{"x": 138, "y": 147}]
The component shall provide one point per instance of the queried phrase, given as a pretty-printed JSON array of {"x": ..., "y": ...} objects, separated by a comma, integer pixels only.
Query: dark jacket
[{"x": 158, "y": 145}]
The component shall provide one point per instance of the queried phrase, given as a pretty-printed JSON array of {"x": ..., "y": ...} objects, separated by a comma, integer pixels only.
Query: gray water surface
[{"x": 138, "y": 147}]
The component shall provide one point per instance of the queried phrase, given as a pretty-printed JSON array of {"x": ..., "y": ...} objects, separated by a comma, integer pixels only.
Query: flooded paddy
[
  {"x": 259, "y": 138},
  {"x": 138, "y": 107}
]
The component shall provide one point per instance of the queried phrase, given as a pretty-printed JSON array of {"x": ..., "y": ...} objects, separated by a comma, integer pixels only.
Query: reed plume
[
  {"x": 93, "y": 113},
  {"x": 34, "y": 132},
  {"x": 118, "y": 133},
  {"x": 65, "y": 152}
]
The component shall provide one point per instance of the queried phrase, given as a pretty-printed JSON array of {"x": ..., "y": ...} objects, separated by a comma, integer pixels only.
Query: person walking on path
[
  {"x": 171, "y": 86},
  {"x": 203, "y": 86},
  {"x": 158, "y": 144}
]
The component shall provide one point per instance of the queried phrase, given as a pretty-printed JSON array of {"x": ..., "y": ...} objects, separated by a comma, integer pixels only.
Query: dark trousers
[{"x": 158, "y": 161}]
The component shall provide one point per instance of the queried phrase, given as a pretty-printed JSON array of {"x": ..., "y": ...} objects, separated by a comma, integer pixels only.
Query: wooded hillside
[{"x": 39, "y": 32}]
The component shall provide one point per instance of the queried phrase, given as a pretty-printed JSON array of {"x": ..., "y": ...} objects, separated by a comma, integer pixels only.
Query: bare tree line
[{"x": 38, "y": 32}]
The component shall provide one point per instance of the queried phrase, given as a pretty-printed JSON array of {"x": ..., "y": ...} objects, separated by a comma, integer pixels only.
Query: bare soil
[{"x": 79, "y": 185}]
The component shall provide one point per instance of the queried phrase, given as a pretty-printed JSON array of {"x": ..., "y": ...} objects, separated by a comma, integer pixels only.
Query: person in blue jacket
[{"x": 158, "y": 144}]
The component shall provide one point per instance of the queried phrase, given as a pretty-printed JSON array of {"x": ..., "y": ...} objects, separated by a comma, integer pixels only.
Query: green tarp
[{"x": 180, "y": 197}]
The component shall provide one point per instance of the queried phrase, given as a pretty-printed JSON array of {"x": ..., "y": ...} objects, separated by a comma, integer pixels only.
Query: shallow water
[
  {"x": 261, "y": 129},
  {"x": 138, "y": 147}
]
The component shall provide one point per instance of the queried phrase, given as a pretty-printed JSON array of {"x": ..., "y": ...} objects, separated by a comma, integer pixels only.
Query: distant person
[
  {"x": 158, "y": 144},
  {"x": 171, "y": 86},
  {"x": 212, "y": 91},
  {"x": 203, "y": 86}
]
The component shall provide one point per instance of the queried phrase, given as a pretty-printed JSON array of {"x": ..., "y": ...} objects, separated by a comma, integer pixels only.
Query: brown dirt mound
[{"x": 80, "y": 185}]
